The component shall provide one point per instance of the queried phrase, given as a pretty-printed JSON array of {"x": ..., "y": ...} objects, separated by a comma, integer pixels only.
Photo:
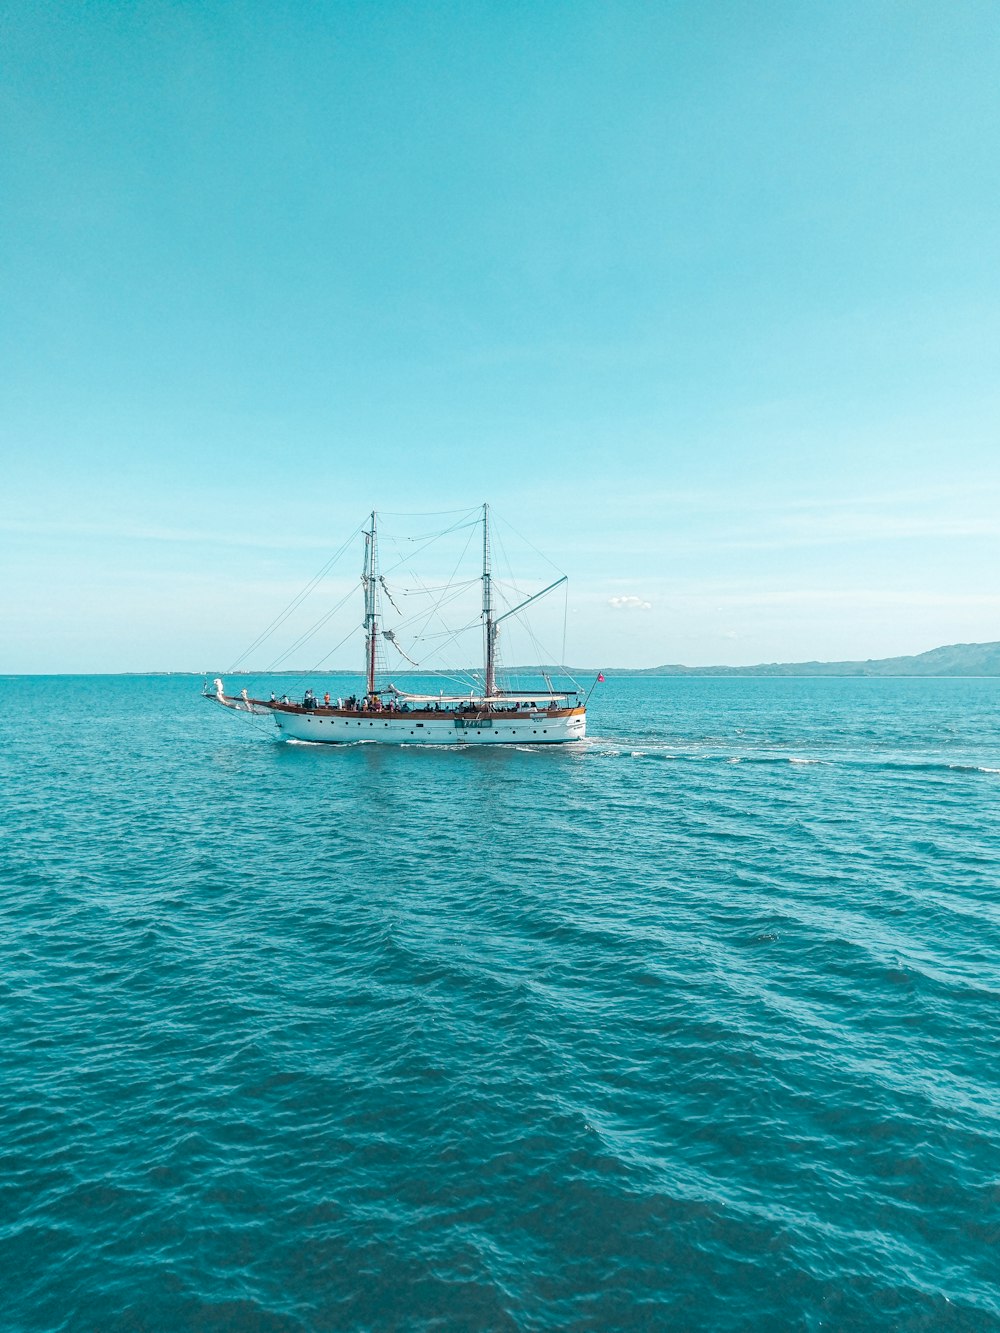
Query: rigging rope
[
  {"x": 323, "y": 660},
  {"x": 309, "y": 633},
  {"x": 443, "y": 599},
  {"x": 296, "y": 602}
]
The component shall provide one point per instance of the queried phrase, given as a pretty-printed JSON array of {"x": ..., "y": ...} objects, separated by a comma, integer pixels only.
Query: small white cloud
[{"x": 630, "y": 604}]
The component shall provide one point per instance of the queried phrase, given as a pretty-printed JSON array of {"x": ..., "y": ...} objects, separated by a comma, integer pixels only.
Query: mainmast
[
  {"x": 489, "y": 628},
  {"x": 369, "y": 580}
]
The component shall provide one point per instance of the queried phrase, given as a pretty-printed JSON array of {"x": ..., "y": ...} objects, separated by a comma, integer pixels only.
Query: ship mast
[
  {"x": 489, "y": 628},
  {"x": 369, "y": 580}
]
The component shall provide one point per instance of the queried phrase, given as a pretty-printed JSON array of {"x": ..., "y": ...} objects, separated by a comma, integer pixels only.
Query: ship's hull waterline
[{"x": 330, "y": 726}]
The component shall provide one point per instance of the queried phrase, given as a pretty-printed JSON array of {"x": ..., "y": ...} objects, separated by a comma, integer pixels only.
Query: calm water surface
[{"x": 691, "y": 1026}]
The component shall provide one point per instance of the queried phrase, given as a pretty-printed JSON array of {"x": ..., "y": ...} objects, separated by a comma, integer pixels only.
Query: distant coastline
[{"x": 955, "y": 659}]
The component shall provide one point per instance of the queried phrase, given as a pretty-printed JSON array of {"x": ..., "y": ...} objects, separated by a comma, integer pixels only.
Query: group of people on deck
[{"x": 376, "y": 704}]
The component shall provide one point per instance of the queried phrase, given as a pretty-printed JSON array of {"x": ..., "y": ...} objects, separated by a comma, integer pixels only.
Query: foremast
[
  {"x": 370, "y": 581},
  {"x": 489, "y": 625}
]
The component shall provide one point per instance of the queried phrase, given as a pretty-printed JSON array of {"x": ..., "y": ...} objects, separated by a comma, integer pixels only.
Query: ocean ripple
[{"x": 690, "y": 1026}]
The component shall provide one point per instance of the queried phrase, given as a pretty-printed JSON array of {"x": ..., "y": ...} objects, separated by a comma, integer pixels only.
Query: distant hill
[{"x": 956, "y": 659}]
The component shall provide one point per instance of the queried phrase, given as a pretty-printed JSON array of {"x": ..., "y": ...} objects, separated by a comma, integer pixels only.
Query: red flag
[{"x": 600, "y": 675}]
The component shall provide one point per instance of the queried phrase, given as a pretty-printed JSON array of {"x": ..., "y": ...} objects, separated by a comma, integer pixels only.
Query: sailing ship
[{"x": 487, "y": 714}]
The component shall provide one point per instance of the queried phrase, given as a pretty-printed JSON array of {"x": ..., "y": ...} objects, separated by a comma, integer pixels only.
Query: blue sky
[{"x": 703, "y": 297}]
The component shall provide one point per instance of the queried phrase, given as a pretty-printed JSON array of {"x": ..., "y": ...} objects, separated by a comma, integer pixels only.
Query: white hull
[{"x": 328, "y": 727}]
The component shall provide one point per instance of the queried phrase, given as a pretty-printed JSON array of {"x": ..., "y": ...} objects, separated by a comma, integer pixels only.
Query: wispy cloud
[
  {"x": 629, "y": 604},
  {"x": 129, "y": 532},
  {"x": 678, "y": 524},
  {"x": 849, "y": 598}
]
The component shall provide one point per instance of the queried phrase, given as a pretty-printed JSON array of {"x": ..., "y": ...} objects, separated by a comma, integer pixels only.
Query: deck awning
[{"x": 532, "y": 697}]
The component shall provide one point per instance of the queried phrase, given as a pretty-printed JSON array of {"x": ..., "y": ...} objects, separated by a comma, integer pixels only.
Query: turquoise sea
[{"x": 693, "y": 1026}]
